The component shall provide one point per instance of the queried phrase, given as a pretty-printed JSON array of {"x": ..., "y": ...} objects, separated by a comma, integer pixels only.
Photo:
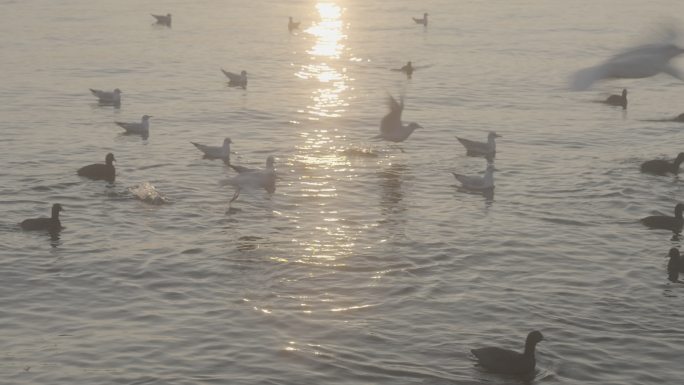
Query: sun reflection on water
[{"x": 320, "y": 155}]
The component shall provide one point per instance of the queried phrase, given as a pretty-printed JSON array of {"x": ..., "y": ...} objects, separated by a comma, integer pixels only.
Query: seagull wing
[{"x": 392, "y": 121}]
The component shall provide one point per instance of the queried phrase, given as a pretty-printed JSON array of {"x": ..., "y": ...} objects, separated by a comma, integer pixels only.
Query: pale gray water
[{"x": 358, "y": 270}]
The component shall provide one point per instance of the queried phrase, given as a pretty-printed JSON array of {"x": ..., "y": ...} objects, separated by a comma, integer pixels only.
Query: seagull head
[
  {"x": 146, "y": 117},
  {"x": 227, "y": 141},
  {"x": 243, "y": 73},
  {"x": 414, "y": 125},
  {"x": 674, "y": 253},
  {"x": 493, "y": 134},
  {"x": 57, "y": 207},
  {"x": 117, "y": 91}
]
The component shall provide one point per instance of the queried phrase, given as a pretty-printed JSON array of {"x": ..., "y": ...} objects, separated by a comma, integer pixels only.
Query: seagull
[
  {"x": 142, "y": 128},
  {"x": 106, "y": 97},
  {"x": 486, "y": 149},
  {"x": 618, "y": 100},
  {"x": 216, "y": 152},
  {"x": 292, "y": 25},
  {"x": 99, "y": 171},
  {"x": 665, "y": 222},
  {"x": 507, "y": 361},
  {"x": 248, "y": 178},
  {"x": 423, "y": 21},
  {"x": 662, "y": 167},
  {"x": 476, "y": 182},
  {"x": 163, "y": 20},
  {"x": 50, "y": 224},
  {"x": 391, "y": 128},
  {"x": 236, "y": 80},
  {"x": 634, "y": 63}
]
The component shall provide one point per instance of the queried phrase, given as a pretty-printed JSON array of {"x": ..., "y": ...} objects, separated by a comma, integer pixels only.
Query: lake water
[{"x": 359, "y": 269}]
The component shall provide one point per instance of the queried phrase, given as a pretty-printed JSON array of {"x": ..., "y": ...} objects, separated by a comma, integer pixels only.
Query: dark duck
[{"x": 99, "y": 171}]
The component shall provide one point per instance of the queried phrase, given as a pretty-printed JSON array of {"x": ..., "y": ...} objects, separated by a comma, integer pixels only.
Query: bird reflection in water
[{"x": 392, "y": 195}]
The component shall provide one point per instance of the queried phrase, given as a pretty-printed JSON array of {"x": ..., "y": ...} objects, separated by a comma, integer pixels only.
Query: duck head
[{"x": 109, "y": 159}]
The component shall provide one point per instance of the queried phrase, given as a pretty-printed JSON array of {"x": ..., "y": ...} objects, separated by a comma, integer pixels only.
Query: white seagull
[
  {"x": 235, "y": 80},
  {"x": 634, "y": 63},
  {"x": 163, "y": 19},
  {"x": 391, "y": 128},
  {"x": 476, "y": 182},
  {"x": 105, "y": 97},
  {"x": 248, "y": 178},
  {"x": 142, "y": 128},
  {"x": 487, "y": 149},
  {"x": 216, "y": 152}
]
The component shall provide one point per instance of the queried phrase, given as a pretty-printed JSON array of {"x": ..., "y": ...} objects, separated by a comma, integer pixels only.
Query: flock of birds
[{"x": 638, "y": 62}]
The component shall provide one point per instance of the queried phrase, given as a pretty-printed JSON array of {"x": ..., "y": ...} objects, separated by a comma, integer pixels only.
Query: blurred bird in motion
[
  {"x": 249, "y": 178},
  {"x": 634, "y": 63},
  {"x": 163, "y": 19},
  {"x": 391, "y": 128}
]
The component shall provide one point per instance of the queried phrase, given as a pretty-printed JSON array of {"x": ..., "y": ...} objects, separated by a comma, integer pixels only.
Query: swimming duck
[
  {"x": 163, "y": 19},
  {"x": 618, "y": 100},
  {"x": 100, "y": 171},
  {"x": 106, "y": 97},
  {"x": 507, "y": 361},
  {"x": 235, "y": 80},
  {"x": 51, "y": 224},
  {"x": 662, "y": 167},
  {"x": 664, "y": 222},
  {"x": 142, "y": 128}
]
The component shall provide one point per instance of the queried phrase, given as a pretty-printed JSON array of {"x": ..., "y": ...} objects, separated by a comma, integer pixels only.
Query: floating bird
[
  {"x": 105, "y": 97},
  {"x": 408, "y": 69},
  {"x": 662, "y": 167},
  {"x": 634, "y": 63},
  {"x": 99, "y": 171},
  {"x": 486, "y": 149},
  {"x": 142, "y": 128},
  {"x": 248, "y": 178},
  {"x": 391, "y": 128},
  {"x": 51, "y": 224},
  {"x": 163, "y": 20},
  {"x": 235, "y": 80},
  {"x": 292, "y": 25},
  {"x": 507, "y": 361},
  {"x": 476, "y": 182},
  {"x": 675, "y": 265},
  {"x": 618, "y": 100},
  {"x": 664, "y": 222},
  {"x": 423, "y": 21},
  {"x": 216, "y": 152}
]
